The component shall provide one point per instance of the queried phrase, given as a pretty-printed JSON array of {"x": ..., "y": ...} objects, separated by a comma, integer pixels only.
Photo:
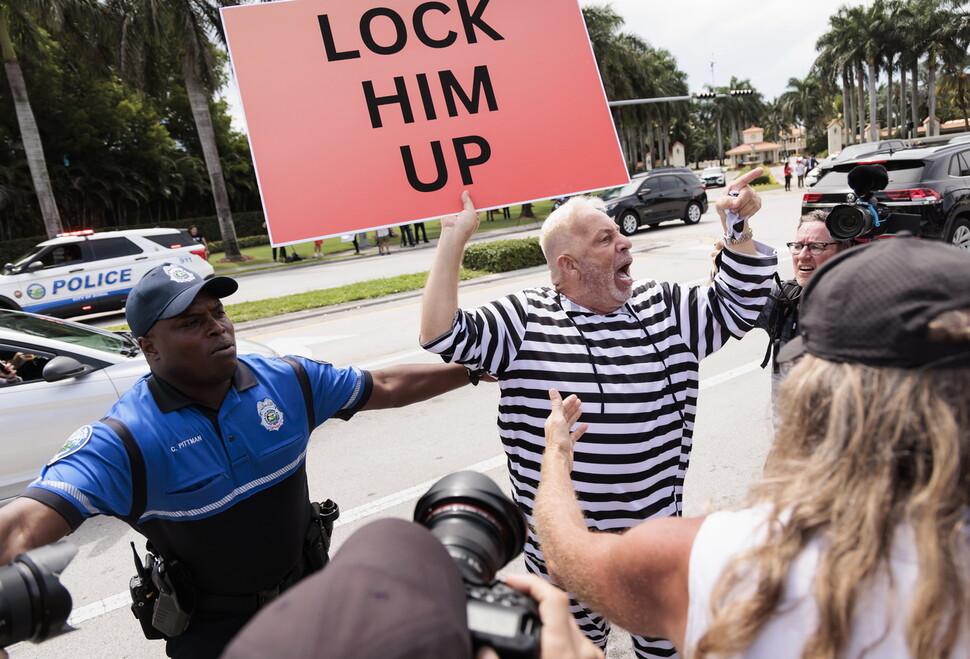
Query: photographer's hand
[{"x": 561, "y": 637}]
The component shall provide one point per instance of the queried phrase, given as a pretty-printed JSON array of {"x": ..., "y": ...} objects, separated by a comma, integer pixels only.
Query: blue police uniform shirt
[{"x": 219, "y": 482}]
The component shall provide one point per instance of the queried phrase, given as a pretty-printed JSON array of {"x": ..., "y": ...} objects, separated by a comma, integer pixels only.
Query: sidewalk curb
[{"x": 479, "y": 236}]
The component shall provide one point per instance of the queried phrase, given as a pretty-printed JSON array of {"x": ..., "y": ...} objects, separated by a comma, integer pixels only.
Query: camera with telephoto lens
[
  {"x": 482, "y": 530},
  {"x": 862, "y": 219},
  {"x": 34, "y": 606}
]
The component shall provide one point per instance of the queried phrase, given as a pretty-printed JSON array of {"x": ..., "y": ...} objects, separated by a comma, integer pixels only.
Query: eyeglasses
[{"x": 813, "y": 248}]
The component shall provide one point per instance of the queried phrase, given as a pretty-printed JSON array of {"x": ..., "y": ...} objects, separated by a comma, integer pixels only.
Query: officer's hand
[
  {"x": 561, "y": 637},
  {"x": 465, "y": 224}
]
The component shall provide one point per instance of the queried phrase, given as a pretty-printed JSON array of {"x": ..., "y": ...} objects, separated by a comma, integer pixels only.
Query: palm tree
[
  {"x": 955, "y": 84},
  {"x": 20, "y": 25},
  {"x": 149, "y": 34}
]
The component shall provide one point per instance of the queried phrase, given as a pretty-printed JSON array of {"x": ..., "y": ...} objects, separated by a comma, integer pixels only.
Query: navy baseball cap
[
  {"x": 872, "y": 304},
  {"x": 166, "y": 291}
]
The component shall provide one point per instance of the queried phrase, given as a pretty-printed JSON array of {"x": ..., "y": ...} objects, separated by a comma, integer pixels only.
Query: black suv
[
  {"x": 932, "y": 182},
  {"x": 651, "y": 198}
]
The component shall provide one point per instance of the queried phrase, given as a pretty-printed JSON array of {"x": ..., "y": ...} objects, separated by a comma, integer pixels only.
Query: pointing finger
[{"x": 745, "y": 179}]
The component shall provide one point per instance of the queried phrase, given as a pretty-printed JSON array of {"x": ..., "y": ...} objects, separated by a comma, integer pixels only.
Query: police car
[{"x": 85, "y": 272}]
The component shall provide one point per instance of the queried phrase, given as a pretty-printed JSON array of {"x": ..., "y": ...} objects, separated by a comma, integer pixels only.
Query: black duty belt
[{"x": 215, "y": 603}]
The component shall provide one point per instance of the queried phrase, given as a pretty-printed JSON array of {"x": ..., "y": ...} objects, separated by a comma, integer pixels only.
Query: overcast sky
[{"x": 764, "y": 42}]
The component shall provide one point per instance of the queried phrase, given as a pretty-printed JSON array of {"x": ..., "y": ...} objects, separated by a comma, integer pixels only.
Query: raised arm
[
  {"x": 745, "y": 204},
  {"x": 26, "y": 524},
  {"x": 440, "y": 300},
  {"x": 637, "y": 579},
  {"x": 397, "y": 386}
]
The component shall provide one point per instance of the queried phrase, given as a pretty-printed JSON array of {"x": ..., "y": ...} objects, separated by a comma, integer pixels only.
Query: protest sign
[{"x": 364, "y": 114}]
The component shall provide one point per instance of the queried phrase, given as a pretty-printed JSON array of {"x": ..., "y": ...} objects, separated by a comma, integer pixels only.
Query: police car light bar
[{"x": 74, "y": 234}]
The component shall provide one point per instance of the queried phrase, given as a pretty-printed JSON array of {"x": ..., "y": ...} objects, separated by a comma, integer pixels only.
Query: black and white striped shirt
[{"x": 635, "y": 369}]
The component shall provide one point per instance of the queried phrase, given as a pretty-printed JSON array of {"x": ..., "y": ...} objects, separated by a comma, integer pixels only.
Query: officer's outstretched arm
[
  {"x": 397, "y": 386},
  {"x": 26, "y": 524}
]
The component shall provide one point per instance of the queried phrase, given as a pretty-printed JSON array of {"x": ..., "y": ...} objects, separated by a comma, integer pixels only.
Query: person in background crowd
[
  {"x": 419, "y": 229},
  {"x": 800, "y": 172},
  {"x": 855, "y": 543},
  {"x": 280, "y": 250},
  {"x": 199, "y": 238},
  {"x": 383, "y": 238}
]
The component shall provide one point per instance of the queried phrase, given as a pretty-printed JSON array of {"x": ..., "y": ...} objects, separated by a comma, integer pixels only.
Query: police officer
[{"x": 205, "y": 457}]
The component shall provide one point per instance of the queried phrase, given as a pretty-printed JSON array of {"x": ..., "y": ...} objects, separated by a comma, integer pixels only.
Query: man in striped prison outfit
[{"x": 629, "y": 349}]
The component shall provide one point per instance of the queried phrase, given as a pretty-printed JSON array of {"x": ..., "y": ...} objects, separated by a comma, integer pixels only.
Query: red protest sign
[{"x": 364, "y": 115}]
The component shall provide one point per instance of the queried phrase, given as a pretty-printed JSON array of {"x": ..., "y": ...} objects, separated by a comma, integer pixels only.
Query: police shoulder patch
[{"x": 74, "y": 443}]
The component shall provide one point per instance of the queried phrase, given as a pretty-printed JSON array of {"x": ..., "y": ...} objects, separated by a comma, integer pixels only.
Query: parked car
[
  {"x": 667, "y": 170},
  {"x": 84, "y": 272},
  {"x": 72, "y": 374},
  {"x": 855, "y": 151},
  {"x": 713, "y": 177},
  {"x": 659, "y": 195},
  {"x": 931, "y": 182}
]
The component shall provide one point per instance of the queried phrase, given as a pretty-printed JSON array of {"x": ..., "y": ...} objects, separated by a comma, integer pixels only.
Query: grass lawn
[{"x": 334, "y": 247}]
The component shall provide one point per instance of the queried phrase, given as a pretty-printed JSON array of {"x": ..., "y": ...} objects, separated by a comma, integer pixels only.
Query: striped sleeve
[
  {"x": 487, "y": 337},
  {"x": 706, "y": 316}
]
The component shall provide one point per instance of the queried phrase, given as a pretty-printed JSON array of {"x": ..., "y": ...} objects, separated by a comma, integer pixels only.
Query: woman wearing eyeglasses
[{"x": 813, "y": 246}]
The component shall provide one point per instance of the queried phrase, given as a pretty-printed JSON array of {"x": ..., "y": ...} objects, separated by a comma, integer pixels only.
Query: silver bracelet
[{"x": 742, "y": 238}]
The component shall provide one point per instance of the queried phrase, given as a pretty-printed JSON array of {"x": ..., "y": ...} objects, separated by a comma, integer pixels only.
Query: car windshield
[
  {"x": 68, "y": 332},
  {"x": 712, "y": 171},
  {"x": 621, "y": 190}
]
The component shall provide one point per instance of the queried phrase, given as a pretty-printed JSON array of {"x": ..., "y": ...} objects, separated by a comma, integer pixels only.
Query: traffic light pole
[{"x": 700, "y": 96}]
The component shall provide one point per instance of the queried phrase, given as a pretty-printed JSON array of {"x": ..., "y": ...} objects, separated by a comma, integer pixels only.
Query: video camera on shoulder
[
  {"x": 863, "y": 218},
  {"x": 34, "y": 606},
  {"x": 483, "y": 530}
]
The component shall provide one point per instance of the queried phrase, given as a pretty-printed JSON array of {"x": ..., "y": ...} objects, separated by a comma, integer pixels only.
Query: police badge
[{"x": 269, "y": 415}]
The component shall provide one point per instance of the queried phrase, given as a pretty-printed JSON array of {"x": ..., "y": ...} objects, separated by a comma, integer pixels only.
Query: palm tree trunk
[
  {"x": 932, "y": 128},
  {"x": 29, "y": 134},
  {"x": 861, "y": 102},
  {"x": 199, "y": 102},
  {"x": 902, "y": 100},
  {"x": 873, "y": 120},
  {"x": 847, "y": 107},
  {"x": 651, "y": 148},
  {"x": 914, "y": 106},
  {"x": 889, "y": 101}
]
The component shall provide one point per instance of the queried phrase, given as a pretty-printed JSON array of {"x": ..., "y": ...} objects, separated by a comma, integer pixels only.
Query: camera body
[
  {"x": 483, "y": 530},
  {"x": 862, "y": 219},
  {"x": 34, "y": 606}
]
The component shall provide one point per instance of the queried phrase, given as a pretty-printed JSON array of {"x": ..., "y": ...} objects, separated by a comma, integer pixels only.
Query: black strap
[
  {"x": 136, "y": 462},
  {"x": 305, "y": 386}
]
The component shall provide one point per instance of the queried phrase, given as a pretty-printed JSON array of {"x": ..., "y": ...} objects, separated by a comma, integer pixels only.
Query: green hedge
[{"x": 504, "y": 255}]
